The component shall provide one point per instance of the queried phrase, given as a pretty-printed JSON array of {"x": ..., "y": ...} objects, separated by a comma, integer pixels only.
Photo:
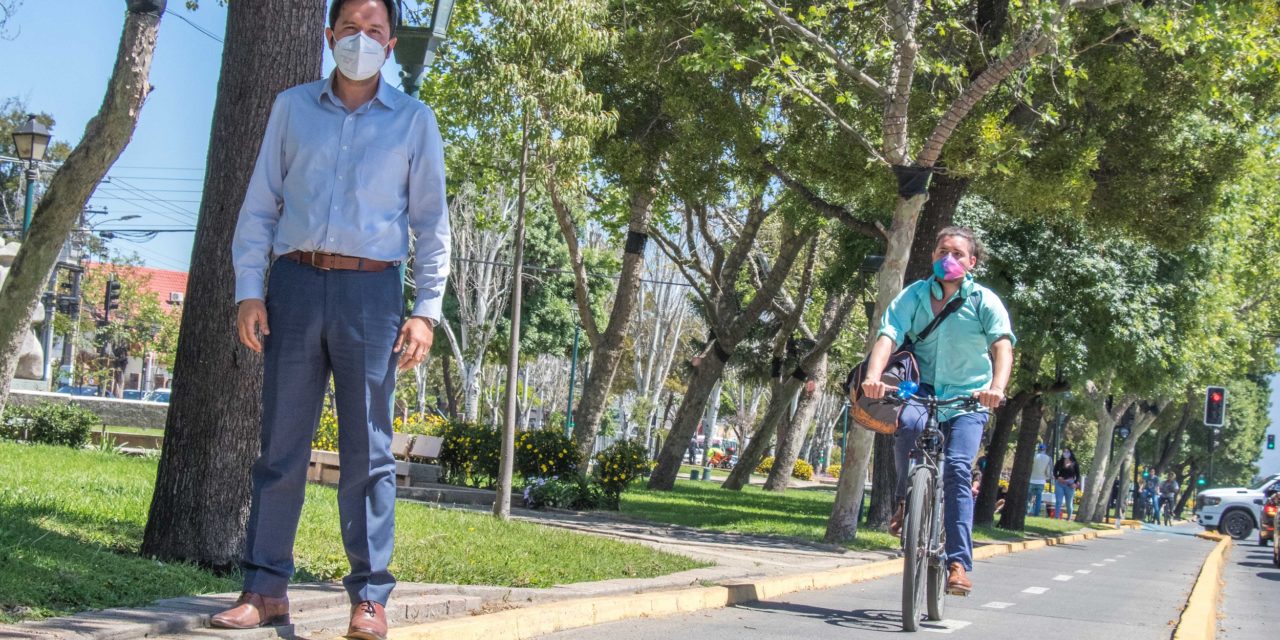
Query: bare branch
[
  {"x": 840, "y": 122},
  {"x": 679, "y": 261},
  {"x": 581, "y": 288},
  {"x": 818, "y": 41},
  {"x": 825, "y": 207}
]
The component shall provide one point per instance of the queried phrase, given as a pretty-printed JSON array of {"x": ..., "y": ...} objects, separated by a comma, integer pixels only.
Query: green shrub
[
  {"x": 802, "y": 470},
  {"x": 765, "y": 465},
  {"x": 618, "y": 466},
  {"x": 469, "y": 455},
  {"x": 572, "y": 492},
  {"x": 49, "y": 423},
  {"x": 545, "y": 453}
]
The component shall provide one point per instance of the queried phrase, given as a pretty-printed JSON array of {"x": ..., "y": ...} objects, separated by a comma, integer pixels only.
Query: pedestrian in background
[
  {"x": 1040, "y": 469},
  {"x": 1066, "y": 477}
]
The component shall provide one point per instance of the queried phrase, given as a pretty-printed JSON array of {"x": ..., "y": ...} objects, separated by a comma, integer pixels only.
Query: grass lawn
[
  {"x": 71, "y": 523},
  {"x": 716, "y": 474},
  {"x": 798, "y": 513}
]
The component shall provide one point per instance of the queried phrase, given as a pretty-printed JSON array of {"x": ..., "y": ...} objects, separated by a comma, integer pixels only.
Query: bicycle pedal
[{"x": 964, "y": 593}]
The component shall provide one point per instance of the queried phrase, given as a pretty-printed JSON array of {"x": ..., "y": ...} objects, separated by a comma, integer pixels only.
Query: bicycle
[{"x": 923, "y": 535}]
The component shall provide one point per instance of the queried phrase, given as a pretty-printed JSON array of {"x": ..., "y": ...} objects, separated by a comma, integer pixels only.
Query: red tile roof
[{"x": 162, "y": 282}]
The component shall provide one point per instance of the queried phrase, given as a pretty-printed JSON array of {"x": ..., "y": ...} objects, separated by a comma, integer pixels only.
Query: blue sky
[{"x": 59, "y": 63}]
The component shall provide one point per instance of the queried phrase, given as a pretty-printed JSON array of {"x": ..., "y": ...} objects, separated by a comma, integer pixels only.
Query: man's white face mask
[{"x": 359, "y": 57}]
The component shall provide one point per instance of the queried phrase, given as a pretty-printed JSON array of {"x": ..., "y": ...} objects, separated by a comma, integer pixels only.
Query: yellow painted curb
[
  {"x": 542, "y": 619},
  {"x": 1199, "y": 620}
]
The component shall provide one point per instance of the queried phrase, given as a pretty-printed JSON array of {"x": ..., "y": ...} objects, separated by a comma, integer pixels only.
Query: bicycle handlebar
[{"x": 967, "y": 402}]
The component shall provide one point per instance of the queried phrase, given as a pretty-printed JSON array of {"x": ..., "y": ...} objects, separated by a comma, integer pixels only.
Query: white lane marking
[
  {"x": 1162, "y": 540},
  {"x": 1108, "y": 559},
  {"x": 1097, "y": 564},
  {"x": 944, "y": 626},
  {"x": 1084, "y": 571},
  {"x": 998, "y": 605},
  {"x": 1119, "y": 555},
  {"x": 1063, "y": 578},
  {"x": 1035, "y": 591}
]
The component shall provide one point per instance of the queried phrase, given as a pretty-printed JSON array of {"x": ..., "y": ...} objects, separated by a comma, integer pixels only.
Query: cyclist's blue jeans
[{"x": 964, "y": 436}]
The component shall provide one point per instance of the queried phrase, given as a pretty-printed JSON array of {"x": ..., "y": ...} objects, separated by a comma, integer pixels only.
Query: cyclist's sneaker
[{"x": 957, "y": 581}]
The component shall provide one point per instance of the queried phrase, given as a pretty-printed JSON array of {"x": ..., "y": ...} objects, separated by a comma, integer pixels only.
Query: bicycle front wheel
[{"x": 916, "y": 527}]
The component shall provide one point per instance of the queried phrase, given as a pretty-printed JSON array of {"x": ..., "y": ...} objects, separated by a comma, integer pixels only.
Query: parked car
[
  {"x": 134, "y": 394},
  {"x": 158, "y": 395},
  {"x": 1235, "y": 511},
  {"x": 84, "y": 390}
]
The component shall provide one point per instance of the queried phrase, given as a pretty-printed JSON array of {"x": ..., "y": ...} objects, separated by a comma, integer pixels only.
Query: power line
[
  {"x": 197, "y": 27},
  {"x": 110, "y": 177},
  {"x": 528, "y": 267}
]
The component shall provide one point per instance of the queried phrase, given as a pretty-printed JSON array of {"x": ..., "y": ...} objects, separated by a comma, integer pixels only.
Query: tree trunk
[
  {"x": 842, "y": 526},
  {"x": 793, "y": 433},
  {"x": 780, "y": 399},
  {"x": 984, "y": 508},
  {"x": 201, "y": 500},
  {"x": 105, "y": 137},
  {"x": 884, "y": 483},
  {"x": 607, "y": 347},
  {"x": 451, "y": 396},
  {"x": 1014, "y": 516},
  {"x": 706, "y": 373}
]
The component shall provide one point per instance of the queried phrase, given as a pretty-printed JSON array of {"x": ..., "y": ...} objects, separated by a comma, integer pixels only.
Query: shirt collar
[
  {"x": 966, "y": 287},
  {"x": 384, "y": 96}
]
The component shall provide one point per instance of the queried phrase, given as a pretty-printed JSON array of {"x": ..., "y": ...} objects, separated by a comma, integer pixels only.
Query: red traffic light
[{"x": 1215, "y": 397}]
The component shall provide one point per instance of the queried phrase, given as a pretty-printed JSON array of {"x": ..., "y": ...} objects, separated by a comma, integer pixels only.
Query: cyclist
[
  {"x": 970, "y": 353},
  {"x": 1168, "y": 496}
]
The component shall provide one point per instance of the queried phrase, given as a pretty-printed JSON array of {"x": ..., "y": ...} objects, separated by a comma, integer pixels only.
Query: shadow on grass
[{"x": 46, "y": 572}]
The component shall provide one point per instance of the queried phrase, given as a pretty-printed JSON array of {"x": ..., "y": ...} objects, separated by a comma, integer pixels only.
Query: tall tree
[
  {"x": 201, "y": 501},
  {"x": 104, "y": 139}
]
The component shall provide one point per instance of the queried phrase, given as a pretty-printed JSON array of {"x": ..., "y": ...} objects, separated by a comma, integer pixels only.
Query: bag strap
[{"x": 952, "y": 306}]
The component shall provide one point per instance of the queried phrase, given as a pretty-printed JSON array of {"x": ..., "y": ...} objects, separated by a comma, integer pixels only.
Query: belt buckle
[{"x": 314, "y": 253}]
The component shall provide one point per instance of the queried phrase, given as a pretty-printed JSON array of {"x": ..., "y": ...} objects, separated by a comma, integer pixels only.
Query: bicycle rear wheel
[{"x": 915, "y": 546}]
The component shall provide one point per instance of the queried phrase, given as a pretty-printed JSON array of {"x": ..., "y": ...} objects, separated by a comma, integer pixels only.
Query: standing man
[
  {"x": 1041, "y": 468},
  {"x": 348, "y": 170}
]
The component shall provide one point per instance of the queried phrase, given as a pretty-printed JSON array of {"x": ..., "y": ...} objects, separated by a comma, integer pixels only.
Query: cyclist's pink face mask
[{"x": 947, "y": 268}]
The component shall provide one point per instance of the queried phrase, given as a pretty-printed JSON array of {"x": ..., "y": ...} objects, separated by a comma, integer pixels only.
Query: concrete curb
[
  {"x": 1199, "y": 619},
  {"x": 542, "y": 619}
]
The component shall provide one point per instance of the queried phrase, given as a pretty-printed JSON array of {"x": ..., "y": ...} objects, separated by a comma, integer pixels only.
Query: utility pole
[{"x": 573, "y": 372}]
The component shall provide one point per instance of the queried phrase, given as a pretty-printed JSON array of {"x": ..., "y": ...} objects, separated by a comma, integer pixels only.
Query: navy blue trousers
[
  {"x": 964, "y": 436},
  {"x": 342, "y": 323}
]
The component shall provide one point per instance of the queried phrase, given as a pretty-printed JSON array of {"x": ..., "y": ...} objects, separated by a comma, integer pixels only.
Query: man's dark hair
[{"x": 336, "y": 8}]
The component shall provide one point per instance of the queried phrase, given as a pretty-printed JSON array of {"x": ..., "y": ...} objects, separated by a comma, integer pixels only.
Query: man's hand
[
  {"x": 990, "y": 398},
  {"x": 251, "y": 319},
  {"x": 875, "y": 388},
  {"x": 414, "y": 342}
]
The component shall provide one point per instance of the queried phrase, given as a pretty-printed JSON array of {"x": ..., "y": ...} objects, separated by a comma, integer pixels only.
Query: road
[
  {"x": 1249, "y": 609},
  {"x": 1129, "y": 587}
]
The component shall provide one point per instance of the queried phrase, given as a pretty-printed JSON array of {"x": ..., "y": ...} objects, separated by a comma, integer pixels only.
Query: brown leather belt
[{"x": 333, "y": 261}]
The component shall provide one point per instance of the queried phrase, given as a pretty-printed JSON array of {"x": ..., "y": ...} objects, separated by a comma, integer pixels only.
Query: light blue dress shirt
[
  {"x": 354, "y": 183},
  {"x": 956, "y": 357}
]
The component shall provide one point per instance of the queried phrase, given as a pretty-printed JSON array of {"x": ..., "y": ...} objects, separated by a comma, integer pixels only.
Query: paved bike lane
[{"x": 1130, "y": 587}]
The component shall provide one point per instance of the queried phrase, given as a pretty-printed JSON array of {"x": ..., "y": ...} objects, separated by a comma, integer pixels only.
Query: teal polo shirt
[{"x": 956, "y": 358}]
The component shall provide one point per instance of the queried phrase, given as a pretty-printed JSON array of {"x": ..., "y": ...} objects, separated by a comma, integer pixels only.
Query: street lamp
[
  {"x": 31, "y": 141},
  {"x": 417, "y": 40}
]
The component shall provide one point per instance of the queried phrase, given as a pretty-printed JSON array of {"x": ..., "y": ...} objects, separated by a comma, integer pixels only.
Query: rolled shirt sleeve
[
  {"x": 897, "y": 319},
  {"x": 260, "y": 212},
  {"x": 995, "y": 320},
  {"x": 429, "y": 220}
]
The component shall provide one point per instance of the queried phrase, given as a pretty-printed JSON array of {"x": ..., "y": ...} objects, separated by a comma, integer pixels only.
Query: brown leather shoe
[
  {"x": 957, "y": 580},
  {"x": 253, "y": 610},
  {"x": 895, "y": 523},
  {"x": 368, "y": 621}
]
